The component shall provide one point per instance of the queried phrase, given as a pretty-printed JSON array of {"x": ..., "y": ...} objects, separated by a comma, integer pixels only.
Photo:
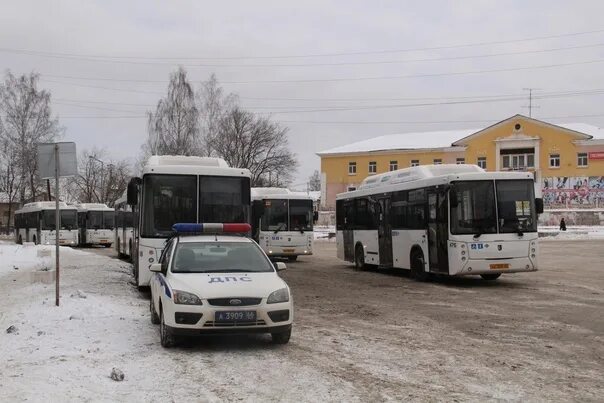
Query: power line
[
  {"x": 300, "y": 81},
  {"x": 272, "y": 111},
  {"x": 265, "y": 65},
  {"x": 440, "y": 47}
]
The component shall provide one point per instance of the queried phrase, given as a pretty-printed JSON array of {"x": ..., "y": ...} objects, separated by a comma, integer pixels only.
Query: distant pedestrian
[{"x": 562, "y": 224}]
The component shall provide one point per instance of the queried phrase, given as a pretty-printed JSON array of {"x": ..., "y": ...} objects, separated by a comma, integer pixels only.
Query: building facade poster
[{"x": 573, "y": 192}]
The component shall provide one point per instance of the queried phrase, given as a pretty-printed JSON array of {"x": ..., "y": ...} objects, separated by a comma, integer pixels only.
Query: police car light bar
[{"x": 211, "y": 228}]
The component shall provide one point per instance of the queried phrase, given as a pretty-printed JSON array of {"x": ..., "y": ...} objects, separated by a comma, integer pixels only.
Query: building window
[
  {"x": 393, "y": 165},
  {"x": 372, "y": 167},
  {"x": 460, "y": 161},
  {"x": 554, "y": 160},
  {"x": 582, "y": 159},
  {"x": 351, "y": 188},
  {"x": 414, "y": 163},
  {"x": 352, "y": 168},
  {"x": 482, "y": 162},
  {"x": 438, "y": 161}
]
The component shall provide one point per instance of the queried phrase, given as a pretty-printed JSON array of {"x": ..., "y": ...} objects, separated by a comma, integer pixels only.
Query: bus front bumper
[
  {"x": 483, "y": 266},
  {"x": 277, "y": 251}
]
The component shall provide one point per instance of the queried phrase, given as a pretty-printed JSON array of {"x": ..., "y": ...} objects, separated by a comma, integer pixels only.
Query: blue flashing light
[{"x": 188, "y": 228}]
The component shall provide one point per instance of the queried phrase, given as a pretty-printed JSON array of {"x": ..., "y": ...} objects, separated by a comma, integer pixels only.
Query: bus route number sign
[{"x": 476, "y": 246}]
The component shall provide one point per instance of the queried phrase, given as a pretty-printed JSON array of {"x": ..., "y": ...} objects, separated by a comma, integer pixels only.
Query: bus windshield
[
  {"x": 475, "y": 212},
  {"x": 301, "y": 215},
  {"x": 68, "y": 219},
  {"x": 514, "y": 201},
  {"x": 167, "y": 199},
  {"x": 275, "y": 215},
  {"x": 100, "y": 220},
  {"x": 170, "y": 199}
]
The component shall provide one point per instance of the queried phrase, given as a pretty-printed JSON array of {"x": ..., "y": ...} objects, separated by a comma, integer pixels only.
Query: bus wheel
[
  {"x": 35, "y": 240},
  {"x": 20, "y": 241},
  {"x": 490, "y": 277},
  {"x": 359, "y": 258},
  {"x": 417, "y": 267},
  {"x": 117, "y": 246}
]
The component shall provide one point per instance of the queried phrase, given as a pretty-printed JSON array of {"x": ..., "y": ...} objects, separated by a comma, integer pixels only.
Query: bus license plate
[
  {"x": 499, "y": 266},
  {"x": 235, "y": 316},
  {"x": 288, "y": 250}
]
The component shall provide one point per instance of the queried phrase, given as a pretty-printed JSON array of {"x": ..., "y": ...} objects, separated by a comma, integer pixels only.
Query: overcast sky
[{"x": 107, "y": 62}]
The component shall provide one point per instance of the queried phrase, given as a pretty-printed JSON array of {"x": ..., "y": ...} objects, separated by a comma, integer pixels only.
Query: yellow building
[{"x": 568, "y": 159}]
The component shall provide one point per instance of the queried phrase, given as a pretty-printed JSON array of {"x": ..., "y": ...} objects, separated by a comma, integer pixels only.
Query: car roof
[{"x": 213, "y": 238}]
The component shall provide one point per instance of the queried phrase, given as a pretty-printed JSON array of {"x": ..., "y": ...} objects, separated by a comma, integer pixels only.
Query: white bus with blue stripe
[
  {"x": 452, "y": 220},
  {"x": 177, "y": 189}
]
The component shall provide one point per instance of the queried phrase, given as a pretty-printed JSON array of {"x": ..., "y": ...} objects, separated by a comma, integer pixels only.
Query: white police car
[{"x": 218, "y": 283}]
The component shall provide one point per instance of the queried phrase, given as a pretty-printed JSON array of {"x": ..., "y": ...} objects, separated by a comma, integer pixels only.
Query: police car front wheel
[{"x": 167, "y": 339}]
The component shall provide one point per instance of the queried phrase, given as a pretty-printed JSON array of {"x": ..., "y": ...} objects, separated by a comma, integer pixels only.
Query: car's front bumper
[{"x": 180, "y": 331}]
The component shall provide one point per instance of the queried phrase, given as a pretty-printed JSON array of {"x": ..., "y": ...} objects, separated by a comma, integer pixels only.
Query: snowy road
[{"x": 358, "y": 336}]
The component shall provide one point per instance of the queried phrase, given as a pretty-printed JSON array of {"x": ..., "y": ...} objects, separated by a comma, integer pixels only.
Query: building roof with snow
[{"x": 446, "y": 140}]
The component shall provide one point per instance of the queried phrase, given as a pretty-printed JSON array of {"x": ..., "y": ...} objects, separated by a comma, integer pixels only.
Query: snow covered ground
[
  {"x": 549, "y": 233},
  {"x": 67, "y": 353}
]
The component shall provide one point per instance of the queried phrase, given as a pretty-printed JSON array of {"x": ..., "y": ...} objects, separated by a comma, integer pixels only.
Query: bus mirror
[
  {"x": 453, "y": 197},
  {"x": 315, "y": 216},
  {"x": 132, "y": 194},
  {"x": 539, "y": 205}
]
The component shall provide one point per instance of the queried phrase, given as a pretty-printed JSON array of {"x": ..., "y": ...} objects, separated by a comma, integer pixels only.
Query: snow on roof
[
  {"x": 435, "y": 139},
  {"x": 594, "y": 131},
  {"x": 404, "y": 141}
]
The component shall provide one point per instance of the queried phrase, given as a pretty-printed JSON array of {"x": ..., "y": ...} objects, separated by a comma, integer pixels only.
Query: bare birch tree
[
  {"x": 213, "y": 105},
  {"x": 174, "y": 126},
  {"x": 27, "y": 120},
  {"x": 258, "y": 144},
  {"x": 9, "y": 181}
]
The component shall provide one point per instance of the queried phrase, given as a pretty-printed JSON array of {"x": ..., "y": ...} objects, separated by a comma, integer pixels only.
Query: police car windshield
[{"x": 219, "y": 257}]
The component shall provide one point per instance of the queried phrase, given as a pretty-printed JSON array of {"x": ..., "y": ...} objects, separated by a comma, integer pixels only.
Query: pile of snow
[
  {"x": 27, "y": 257},
  {"x": 572, "y": 232}
]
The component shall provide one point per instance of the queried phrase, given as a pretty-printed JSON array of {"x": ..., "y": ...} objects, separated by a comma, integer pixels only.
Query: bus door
[
  {"x": 384, "y": 232},
  {"x": 437, "y": 231}
]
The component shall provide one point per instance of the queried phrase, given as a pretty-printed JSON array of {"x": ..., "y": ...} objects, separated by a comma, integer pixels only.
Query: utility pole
[{"x": 530, "y": 105}]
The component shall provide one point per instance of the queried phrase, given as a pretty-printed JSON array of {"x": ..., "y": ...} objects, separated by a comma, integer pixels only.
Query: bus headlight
[{"x": 463, "y": 252}]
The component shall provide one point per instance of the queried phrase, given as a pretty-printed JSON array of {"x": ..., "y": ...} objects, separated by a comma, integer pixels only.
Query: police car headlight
[
  {"x": 278, "y": 296},
  {"x": 186, "y": 298}
]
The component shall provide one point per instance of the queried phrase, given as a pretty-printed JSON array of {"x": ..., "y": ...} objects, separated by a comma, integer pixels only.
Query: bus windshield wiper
[{"x": 279, "y": 227}]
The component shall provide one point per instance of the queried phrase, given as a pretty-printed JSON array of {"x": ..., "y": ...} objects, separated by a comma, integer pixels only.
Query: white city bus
[
  {"x": 182, "y": 189},
  {"x": 282, "y": 222},
  {"x": 35, "y": 222},
  {"x": 451, "y": 220},
  {"x": 124, "y": 227},
  {"x": 96, "y": 222}
]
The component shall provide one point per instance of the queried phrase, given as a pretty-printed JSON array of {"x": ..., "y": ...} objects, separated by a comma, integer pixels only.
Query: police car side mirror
[
  {"x": 155, "y": 267},
  {"x": 280, "y": 266}
]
